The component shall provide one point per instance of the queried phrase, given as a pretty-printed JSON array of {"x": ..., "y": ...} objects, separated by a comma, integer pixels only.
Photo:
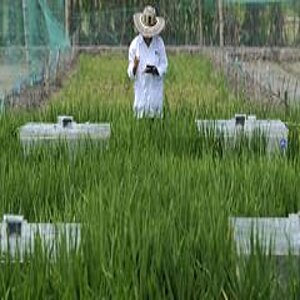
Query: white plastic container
[
  {"x": 275, "y": 132},
  {"x": 18, "y": 237},
  {"x": 281, "y": 236},
  {"x": 66, "y": 129}
]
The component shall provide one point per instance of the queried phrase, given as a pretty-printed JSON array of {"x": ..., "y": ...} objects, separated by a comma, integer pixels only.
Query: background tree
[
  {"x": 254, "y": 30},
  {"x": 276, "y": 37}
]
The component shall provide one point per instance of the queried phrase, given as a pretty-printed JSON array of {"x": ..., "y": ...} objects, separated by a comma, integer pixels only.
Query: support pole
[
  {"x": 221, "y": 22},
  {"x": 200, "y": 4},
  {"x": 67, "y": 17},
  {"x": 26, "y": 33}
]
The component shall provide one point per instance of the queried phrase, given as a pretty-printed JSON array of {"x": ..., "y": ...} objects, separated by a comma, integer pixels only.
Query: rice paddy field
[{"x": 154, "y": 206}]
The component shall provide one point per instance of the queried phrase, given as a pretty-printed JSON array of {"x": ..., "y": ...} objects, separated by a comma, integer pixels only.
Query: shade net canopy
[{"x": 32, "y": 36}]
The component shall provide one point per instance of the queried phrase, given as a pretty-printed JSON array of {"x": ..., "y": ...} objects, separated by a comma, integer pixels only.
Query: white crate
[
  {"x": 280, "y": 235},
  {"x": 18, "y": 237},
  {"x": 66, "y": 129},
  {"x": 275, "y": 132}
]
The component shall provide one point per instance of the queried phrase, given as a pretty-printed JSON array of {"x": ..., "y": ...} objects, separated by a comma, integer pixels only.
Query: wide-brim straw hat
[{"x": 147, "y": 23}]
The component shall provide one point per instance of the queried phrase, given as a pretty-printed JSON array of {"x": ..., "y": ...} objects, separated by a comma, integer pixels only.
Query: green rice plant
[{"x": 154, "y": 207}]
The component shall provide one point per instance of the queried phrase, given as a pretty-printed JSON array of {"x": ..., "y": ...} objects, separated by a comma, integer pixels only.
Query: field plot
[
  {"x": 154, "y": 206},
  {"x": 281, "y": 80},
  {"x": 293, "y": 68},
  {"x": 261, "y": 73}
]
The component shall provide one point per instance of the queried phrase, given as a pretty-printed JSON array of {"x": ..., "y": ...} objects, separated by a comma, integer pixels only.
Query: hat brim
[{"x": 148, "y": 31}]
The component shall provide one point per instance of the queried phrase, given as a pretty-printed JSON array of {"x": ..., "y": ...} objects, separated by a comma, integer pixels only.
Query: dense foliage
[{"x": 154, "y": 207}]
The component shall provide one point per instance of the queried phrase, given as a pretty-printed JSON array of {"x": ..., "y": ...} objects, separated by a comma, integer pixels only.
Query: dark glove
[{"x": 151, "y": 70}]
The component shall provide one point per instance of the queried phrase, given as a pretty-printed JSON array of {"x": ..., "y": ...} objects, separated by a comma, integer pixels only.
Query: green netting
[
  {"x": 32, "y": 36},
  {"x": 258, "y": 1}
]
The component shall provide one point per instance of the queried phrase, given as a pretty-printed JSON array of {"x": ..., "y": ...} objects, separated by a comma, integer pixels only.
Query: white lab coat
[{"x": 148, "y": 88}]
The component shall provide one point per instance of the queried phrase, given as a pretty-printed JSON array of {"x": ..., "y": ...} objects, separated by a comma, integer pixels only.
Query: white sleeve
[
  {"x": 131, "y": 56},
  {"x": 163, "y": 60}
]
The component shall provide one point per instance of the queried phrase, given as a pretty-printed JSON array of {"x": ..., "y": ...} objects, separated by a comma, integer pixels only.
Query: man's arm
[{"x": 133, "y": 61}]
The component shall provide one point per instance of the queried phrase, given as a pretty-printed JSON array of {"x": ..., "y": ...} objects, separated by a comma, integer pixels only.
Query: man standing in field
[{"x": 148, "y": 64}]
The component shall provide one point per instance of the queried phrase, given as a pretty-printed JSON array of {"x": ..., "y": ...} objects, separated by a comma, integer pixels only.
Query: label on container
[{"x": 283, "y": 144}]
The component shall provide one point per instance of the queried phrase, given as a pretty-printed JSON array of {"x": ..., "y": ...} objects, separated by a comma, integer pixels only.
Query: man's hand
[{"x": 135, "y": 64}]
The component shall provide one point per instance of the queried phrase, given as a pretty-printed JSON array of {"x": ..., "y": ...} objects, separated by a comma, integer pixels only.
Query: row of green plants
[
  {"x": 154, "y": 207},
  {"x": 197, "y": 22}
]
